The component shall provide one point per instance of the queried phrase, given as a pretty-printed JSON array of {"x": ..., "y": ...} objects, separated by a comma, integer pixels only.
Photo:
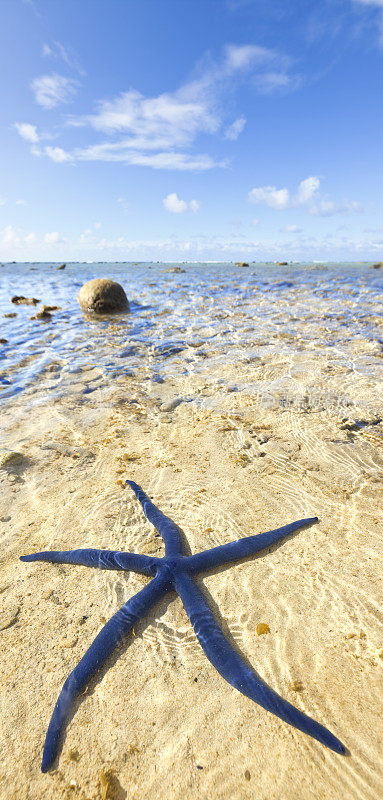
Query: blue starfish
[{"x": 173, "y": 572}]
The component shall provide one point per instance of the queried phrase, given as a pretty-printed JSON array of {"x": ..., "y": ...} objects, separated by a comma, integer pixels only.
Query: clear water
[{"x": 183, "y": 322}]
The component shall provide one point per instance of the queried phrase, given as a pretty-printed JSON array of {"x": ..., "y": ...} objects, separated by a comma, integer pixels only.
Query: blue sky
[{"x": 191, "y": 129}]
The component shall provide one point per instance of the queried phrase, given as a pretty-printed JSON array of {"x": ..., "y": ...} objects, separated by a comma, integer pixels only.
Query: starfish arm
[
  {"x": 103, "y": 559},
  {"x": 105, "y": 642},
  {"x": 231, "y": 666},
  {"x": 233, "y": 551},
  {"x": 165, "y": 526}
]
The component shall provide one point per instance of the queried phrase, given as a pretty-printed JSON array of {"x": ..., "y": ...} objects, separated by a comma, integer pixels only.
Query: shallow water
[
  {"x": 217, "y": 312},
  {"x": 240, "y": 399}
]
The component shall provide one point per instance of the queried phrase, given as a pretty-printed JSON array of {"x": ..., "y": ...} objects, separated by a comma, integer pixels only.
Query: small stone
[
  {"x": 61, "y": 267},
  {"x": 379, "y": 265},
  {"x": 3, "y": 341},
  {"x": 42, "y": 315},
  {"x": 103, "y": 296},
  {"x": 296, "y": 686},
  {"x": 51, "y": 308},
  {"x": 262, "y": 628},
  {"x": 171, "y": 405},
  {"x": 10, "y": 314},
  {"x": 8, "y": 616},
  {"x": 9, "y": 457},
  {"x": 242, "y": 264},
  {"x": 73, "y": 754},
  {"x": 21, "y": 300},
  {"x": 247, "y": 775}
]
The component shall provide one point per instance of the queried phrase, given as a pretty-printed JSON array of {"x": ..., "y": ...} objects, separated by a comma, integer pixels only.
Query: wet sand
[{"x": 158, "y": 721}]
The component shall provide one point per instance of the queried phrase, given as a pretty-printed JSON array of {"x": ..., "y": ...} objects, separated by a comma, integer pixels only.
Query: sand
[{"x": 223, "y": 462}]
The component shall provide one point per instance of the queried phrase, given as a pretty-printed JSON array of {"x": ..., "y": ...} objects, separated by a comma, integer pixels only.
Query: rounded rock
[{"x": 103, "y": 296}]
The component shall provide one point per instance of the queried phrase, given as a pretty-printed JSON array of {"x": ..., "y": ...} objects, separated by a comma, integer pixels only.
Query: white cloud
[
  {"x": 2, "y": 201},
  {"x": 270, "y": 196},
  {"x": 9, "y": 236},
  {"x": 173, "y": 203},
  {"x": 306, "y": 197},
  {"x": 293, "y": 229},
  {"x": 307, "y": 189},
  {"x": 52, "y": 90},
  {"x": 58, "y": 154},
  {"x": 53, "y": 238},
  {"x": 236, "y": 127},
  {"x": 153, "y": 123},
  {"x": 177, "y": 206},
  {"x": 21, "y": 202},
  {"x": 281, "y": 198},
  {"x": 27, "y": 131}
]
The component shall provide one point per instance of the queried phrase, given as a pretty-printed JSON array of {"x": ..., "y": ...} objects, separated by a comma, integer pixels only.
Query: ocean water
[{"x": 184, "y": 323}]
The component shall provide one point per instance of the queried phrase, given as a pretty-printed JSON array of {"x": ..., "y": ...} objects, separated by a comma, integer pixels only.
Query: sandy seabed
[{"x": 158, "y": 721}]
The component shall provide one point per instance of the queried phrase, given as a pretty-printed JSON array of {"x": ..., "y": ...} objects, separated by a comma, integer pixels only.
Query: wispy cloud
[
  {"x": 236, "y": 127},
  {"x": 292, "y": 229},
  {"x": 327, "y": 208},
  {"x": 162, "y": 131},
  {"x": 53, "y": 90},
  {"x": 177, "y": 206},
  {"x": 57, "y": 51},
  {"x": 378, "y": 3},
  {"x": 27, "y": 131},
  {"x": 58, "y": 154}
]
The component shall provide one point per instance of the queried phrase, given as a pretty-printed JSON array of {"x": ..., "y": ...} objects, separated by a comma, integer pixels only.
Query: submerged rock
[
  {"x": 103, "y": 296},
  {"x": 28, "y": 301},
  {"x": 61, "y": 267},
  {"x": 44, "y": 314}
]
